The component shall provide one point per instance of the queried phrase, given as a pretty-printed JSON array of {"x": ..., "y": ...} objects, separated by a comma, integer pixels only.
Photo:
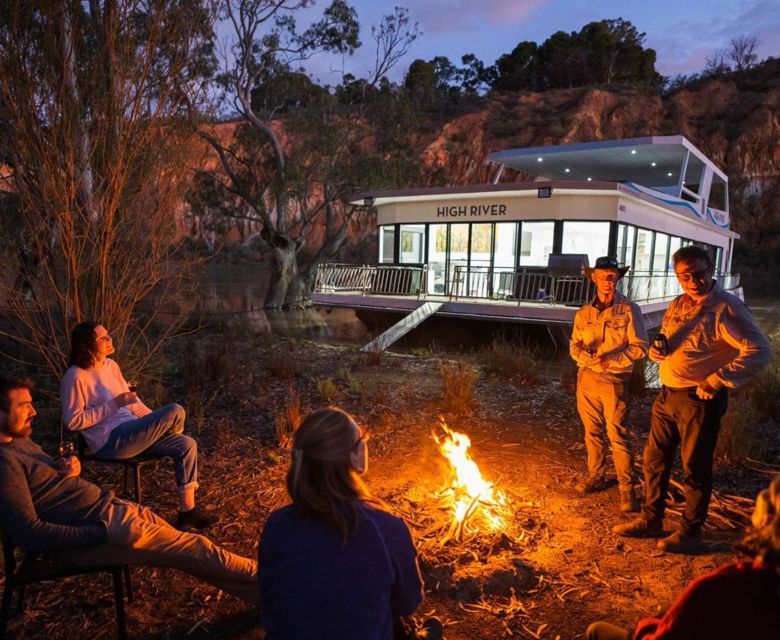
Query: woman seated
[
  {"x": 335, "y": 565},
  {"x": 736, "y": 601},
  {"x": 97, "y": 402}
]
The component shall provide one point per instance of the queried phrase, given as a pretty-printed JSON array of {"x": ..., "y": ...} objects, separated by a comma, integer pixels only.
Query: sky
[{"x": 682, "y": 32}]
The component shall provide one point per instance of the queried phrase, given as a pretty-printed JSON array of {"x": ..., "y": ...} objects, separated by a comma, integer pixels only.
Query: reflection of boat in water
[{"x": 516, "y": 251}]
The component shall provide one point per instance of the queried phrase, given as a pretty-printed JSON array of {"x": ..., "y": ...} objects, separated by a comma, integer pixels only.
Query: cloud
[
  {"x": 448, "y": 16},
  {"x": 684, "y": 46}
]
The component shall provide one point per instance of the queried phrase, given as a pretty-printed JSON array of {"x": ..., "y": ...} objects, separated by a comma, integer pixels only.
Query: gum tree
[
  {"x": 99, "y": 101},
  {"x": 293, "y": 161}
]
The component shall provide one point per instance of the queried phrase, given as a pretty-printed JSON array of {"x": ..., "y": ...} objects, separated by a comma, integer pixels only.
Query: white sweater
[{"x": 87, "y": 397}]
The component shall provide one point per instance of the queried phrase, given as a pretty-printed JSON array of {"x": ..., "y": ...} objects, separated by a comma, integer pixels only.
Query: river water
[{"x": 237, "y": 293}]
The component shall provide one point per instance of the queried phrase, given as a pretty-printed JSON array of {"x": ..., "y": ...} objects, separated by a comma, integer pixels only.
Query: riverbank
[{"x": 554, "y": 568}]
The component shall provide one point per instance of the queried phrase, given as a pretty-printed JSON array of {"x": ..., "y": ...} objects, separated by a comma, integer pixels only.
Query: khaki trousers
[
  {"x": 137, "y": 536},
  {"x": 602, "y": 402}
]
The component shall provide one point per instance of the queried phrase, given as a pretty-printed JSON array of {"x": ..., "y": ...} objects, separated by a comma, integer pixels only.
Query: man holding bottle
[{"x": 713, "y": 344}]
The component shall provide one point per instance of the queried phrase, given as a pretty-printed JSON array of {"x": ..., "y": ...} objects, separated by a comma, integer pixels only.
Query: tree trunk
[{"x": 284, "y": 271}]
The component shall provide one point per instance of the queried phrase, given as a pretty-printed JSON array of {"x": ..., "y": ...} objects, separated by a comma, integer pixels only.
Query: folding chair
[{"x": 35, "y": 567}]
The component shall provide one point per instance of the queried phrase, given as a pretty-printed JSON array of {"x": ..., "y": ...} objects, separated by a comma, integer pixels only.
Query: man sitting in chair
[{"x": 46, "y": 506}]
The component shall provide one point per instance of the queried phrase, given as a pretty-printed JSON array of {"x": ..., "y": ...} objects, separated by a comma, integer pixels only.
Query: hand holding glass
[{"x": 66, "y": 449}]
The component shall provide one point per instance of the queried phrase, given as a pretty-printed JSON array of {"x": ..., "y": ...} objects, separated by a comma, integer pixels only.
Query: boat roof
[{"x": 657, "y": 162}]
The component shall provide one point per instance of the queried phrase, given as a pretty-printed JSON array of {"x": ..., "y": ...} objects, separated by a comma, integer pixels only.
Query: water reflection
[{"x": 239, "y": 293}]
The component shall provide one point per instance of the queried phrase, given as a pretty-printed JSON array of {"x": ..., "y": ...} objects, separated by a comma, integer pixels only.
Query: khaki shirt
[
  {"x": 616, "y": 333},
  {"x": 716, "y": 341}
]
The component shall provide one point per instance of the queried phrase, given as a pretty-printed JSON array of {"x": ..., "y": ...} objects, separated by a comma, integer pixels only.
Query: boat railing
[
  {"x": 524, "y": 284},
  {"x": 370, "y": 279}
]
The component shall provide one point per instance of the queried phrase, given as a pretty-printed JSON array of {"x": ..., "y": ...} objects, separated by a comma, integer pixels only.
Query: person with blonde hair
[
  {"x": 335, "y": 564},
  {"x": 738, "y": 600}
]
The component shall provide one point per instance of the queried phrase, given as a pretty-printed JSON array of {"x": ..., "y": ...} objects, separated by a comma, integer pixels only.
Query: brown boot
[{"x": 628, "y": 501}]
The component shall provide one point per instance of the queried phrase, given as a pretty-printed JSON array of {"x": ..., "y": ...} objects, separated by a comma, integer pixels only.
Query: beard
[{"x": 22, "y": 431}]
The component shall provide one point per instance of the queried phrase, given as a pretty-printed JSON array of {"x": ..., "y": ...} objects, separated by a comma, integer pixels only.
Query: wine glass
[
  {"x": 132, "y": 386},
  {"x": 66, "y": 449}
]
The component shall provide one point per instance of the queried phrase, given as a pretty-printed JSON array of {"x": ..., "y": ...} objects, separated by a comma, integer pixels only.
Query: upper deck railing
[{"x": 525, "y": 284}]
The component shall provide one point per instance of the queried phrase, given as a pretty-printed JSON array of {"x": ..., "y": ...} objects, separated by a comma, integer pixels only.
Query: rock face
[{"x": 739, "y": 130}]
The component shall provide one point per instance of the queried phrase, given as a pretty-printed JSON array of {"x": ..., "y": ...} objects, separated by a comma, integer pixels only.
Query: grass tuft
[{"x": 458, "y": 380}]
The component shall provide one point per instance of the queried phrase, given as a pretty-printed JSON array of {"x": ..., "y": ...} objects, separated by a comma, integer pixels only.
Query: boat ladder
[{"x": 403, "y": 326}]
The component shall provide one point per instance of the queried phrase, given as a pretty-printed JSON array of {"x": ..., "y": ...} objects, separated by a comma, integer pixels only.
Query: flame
[{"x": 472, "y": 498}]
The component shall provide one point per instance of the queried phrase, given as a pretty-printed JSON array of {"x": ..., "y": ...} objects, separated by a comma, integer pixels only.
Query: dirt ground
[{"x": 553, "y": 568}]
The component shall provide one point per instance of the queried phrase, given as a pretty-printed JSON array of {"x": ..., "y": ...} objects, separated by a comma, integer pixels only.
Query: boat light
[
  {"x": 590, "y": 179},
  {"x": 539, "y": 159},
  {"x": 669, "y": 174},
  {"x": 544, "y": 192},
  {"x": 567, "y": 169},
  {"x": 652, "y": 164},
  {"x": 633, "y": 152}
]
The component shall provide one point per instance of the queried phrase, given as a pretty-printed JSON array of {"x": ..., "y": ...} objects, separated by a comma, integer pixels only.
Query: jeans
[
  {"x": 602, "y": 402},
  {"x": 159, "y": 433},
  {"x": 679, "y": 417},
  {"x": 138, "y": 536}
]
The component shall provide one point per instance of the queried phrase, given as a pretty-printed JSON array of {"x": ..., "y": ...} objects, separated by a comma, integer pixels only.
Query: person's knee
[{"x": 176, "y": 415}]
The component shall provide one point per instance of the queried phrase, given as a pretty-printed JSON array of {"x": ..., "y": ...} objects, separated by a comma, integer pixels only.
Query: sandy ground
[{"x": 553, "y": 567}]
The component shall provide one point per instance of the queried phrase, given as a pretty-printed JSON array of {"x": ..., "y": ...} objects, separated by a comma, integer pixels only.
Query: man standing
[
  {"x": 46, "y": 506},
  {"x": 713, "y": 343},
  {"x": 608, "y": 337}
]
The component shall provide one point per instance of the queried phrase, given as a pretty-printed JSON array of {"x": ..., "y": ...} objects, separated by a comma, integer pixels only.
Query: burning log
[{"x": 475, "y": 503}]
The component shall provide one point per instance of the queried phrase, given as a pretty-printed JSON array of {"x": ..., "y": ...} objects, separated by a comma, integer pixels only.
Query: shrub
[
  {"x": 283, "y": 364},
  {"x": 740, "y": 436},
  {"x": 327, "y": 389},
  {"x": 458, "y": 380},
  {"x": 510, "y": 361},
  {"x": 288, "y": 419}
]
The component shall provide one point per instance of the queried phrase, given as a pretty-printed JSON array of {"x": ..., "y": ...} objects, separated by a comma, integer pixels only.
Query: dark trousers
[{"x": 679, "y": 417}]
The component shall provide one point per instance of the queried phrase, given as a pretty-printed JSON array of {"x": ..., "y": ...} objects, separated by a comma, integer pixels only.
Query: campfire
[{"x": 476, "y": 504}]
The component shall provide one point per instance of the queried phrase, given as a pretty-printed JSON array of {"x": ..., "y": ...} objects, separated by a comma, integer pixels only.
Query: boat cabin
[{"x": 525, "y": 243}]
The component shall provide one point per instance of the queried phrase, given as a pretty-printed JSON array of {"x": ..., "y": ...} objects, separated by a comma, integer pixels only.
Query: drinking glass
[
  {"x": 66, "y": 449},
  {"x": 132, "y": 385}
]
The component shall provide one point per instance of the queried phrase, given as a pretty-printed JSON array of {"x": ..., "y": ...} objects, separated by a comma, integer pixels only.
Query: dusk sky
[{"x": 683, "y": 32}]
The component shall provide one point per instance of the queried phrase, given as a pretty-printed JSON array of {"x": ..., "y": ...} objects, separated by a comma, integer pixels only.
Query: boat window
[
  {"x": 536, "y": 243},
  {"x": 437, "y": 258},
  {"x": 459, "y": 255},
  {"x": 505, "y": 252},
  {"x": 387, "y": 244},
  {"x": 674, "y": 244},
  {"x": 591, "y": 238},
  {"x": 411, "y": 246},
  {"x": 660, "y": 261},
  {"x": 644, "y": 245},
  {"x": 481, "y": 244},
  {"x": 630, "y": 245}
]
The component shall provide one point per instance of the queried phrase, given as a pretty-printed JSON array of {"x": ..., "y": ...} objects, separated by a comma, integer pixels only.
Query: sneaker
[
  {"x": 640, "y": 528},
  {"x": 628, "y": 501},
  {"x": 196, "y": 519},
  {"x": 681, "y": 542},
  {"x": 432, "y": 629},
  {"x": 591, "y": 485}
]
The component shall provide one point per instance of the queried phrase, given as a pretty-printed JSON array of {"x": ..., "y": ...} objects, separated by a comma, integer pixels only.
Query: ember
[{"x": 474, "y": 502}]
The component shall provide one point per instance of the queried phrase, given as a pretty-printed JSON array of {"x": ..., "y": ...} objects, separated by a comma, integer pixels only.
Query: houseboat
[{"x": 515, "y": 251}]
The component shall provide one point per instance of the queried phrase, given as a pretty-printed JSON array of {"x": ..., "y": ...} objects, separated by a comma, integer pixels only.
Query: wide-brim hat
[{"x": 605, "y": 262}]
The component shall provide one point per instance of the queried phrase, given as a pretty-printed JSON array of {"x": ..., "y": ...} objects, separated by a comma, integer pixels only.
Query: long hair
[
  {"x": 83, "y": 344},
  {"x": 763, "y": 538},
  {"x": 321, "y": 480}
]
